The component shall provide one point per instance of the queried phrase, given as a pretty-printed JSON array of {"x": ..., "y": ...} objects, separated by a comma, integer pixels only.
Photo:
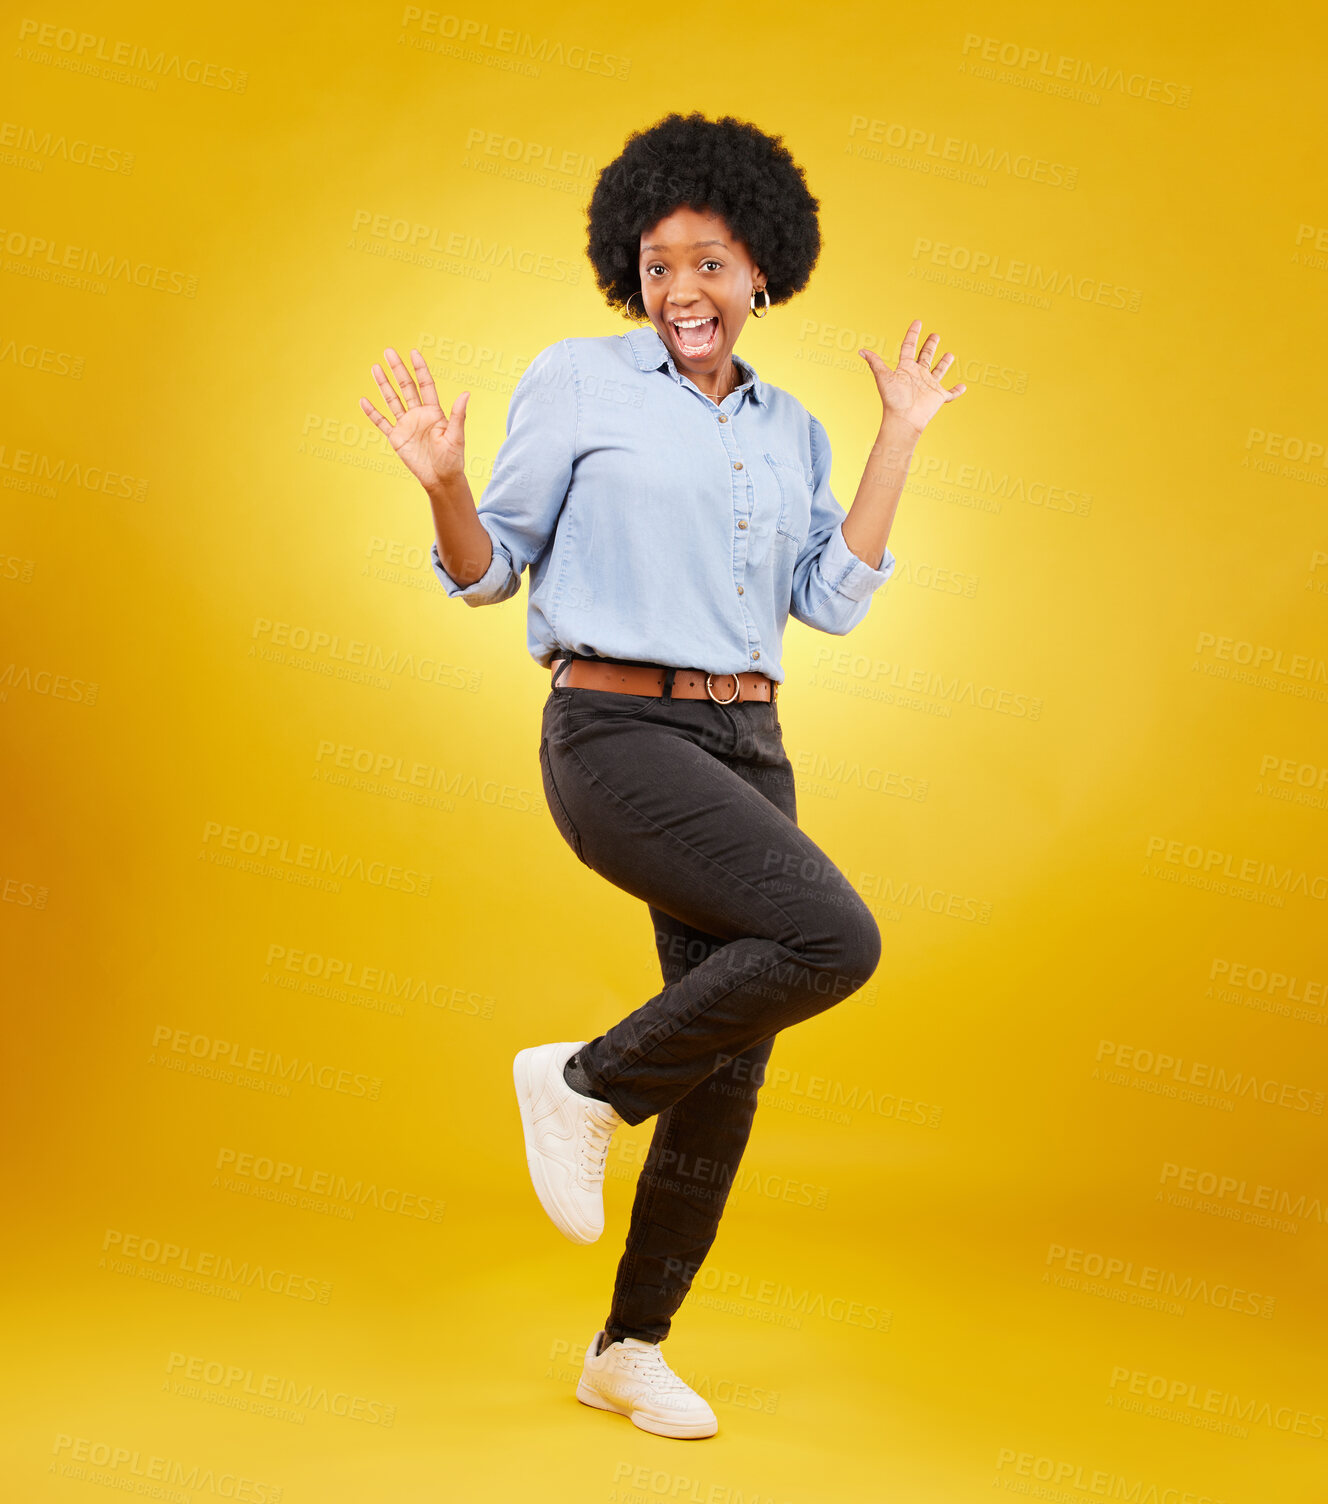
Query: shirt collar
[{"x": 651, "y": 352}]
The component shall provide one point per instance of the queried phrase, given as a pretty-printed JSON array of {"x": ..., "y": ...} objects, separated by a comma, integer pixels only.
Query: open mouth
[{"x": 696, "y": 337}]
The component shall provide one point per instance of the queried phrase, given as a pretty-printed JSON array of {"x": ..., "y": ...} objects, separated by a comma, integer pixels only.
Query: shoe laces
[
  {"x": 594, "y": 1147},
  {"x": 652, "y": 1366}
]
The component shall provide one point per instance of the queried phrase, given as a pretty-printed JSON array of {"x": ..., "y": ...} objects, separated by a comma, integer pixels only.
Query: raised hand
[
  {"x": 431, "y": 444},
  {"x": 912, "y": 392}
]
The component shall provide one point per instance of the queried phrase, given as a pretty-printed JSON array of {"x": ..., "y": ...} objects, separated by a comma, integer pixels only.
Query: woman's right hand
[{"x": 430, "y": 443}]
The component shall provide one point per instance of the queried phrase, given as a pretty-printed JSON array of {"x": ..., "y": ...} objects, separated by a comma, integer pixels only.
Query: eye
[
  {"x": 655, "y": 264},
  {"x": 710, "y": 261}
]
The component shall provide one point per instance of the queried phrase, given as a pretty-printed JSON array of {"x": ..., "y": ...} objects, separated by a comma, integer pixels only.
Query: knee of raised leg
[{"x": 860, "y": 946}]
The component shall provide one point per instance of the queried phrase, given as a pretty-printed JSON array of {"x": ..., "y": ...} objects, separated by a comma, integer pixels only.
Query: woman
[{"x": 674, "y": 510}]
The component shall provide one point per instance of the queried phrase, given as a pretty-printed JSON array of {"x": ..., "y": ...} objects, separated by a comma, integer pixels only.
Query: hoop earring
[
  {"x": 628, "y": 304},
  {"x": 765, "y": 310}
]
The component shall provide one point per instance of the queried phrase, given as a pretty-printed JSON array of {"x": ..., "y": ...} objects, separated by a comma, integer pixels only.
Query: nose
[{"x": 681, "y": 293}]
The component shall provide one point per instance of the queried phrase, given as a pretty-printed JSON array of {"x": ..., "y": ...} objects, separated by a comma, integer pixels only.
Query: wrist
[
  {"x": 445, "y": 490},
  {"x": 897, "y": 432},
  {"x": 895, "y": 442}
]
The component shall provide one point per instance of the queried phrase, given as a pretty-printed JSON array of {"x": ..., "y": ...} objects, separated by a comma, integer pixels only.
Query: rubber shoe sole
[{"x": 679, "y": 1431}]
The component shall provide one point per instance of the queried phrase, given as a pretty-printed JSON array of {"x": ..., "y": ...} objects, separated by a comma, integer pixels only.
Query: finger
[
  {"x": 458, "y": 415},
  {"x": 374, "y": 416},
  {"x": 957, "y": 391},
  {"x": 943, "y": 365},
  {"x": 388, "y": 390},
  {"x": 404, "y": 379},
  {"x": 428, "y": 392},
  {"x": 928, "y": 352},
  {"x": 909, "y": 349},
  {"x": 874, "y": 361}
]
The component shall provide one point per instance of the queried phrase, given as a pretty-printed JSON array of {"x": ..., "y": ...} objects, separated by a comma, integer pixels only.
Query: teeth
[{"x": 688, "y": 323}]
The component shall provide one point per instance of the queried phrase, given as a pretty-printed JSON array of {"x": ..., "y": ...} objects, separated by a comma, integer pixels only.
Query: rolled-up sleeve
[
  {"x": 531, "y": 474},
  {"x": 832, "y": 586}
]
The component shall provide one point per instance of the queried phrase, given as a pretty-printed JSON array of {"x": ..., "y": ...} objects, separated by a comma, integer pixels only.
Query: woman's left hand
[{"x": 912, "y": 393}]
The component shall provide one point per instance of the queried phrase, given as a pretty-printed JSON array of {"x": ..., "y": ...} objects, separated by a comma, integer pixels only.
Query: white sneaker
[
  {"x": 567, "y": 1140},
  {"x": 631, "y": 1378}
]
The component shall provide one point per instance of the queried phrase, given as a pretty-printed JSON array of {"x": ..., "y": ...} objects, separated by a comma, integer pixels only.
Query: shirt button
[
  {"x": 741, "y": 591},
  {"x": 737, "y": 464},
  {"x": 756, "y": 652},
  {"x": 742, "y": 522},
  {"x": 723, "y": 418}
]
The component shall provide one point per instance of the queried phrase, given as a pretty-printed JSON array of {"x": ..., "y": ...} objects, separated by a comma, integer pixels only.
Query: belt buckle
[{"x": 737, "y": 690}]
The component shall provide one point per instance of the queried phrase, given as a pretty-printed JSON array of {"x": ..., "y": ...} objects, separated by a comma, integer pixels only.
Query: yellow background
[{"x": 384, "y": 1355}]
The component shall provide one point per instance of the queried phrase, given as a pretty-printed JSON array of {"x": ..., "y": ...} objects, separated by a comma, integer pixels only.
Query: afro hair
[{"x": 727, "y": 166}]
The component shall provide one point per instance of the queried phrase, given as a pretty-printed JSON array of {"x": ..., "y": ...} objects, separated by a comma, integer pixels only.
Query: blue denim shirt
[{"x": 658, "y": 525}]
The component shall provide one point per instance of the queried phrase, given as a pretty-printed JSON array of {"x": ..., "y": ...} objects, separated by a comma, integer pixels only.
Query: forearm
[
  {"x": 464, "y": 545},
  {"x": 870, "y": 518}
]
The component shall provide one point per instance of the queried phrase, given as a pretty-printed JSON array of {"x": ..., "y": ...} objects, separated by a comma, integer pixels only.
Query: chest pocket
[{"x": 795, "y": 506}]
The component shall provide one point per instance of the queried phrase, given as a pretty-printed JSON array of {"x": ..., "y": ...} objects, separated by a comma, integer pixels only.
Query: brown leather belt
[{"x": 688, "y": 683}]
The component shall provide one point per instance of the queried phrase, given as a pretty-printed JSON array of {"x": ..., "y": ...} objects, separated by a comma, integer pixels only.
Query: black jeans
[{"x": 690, "y": 806}]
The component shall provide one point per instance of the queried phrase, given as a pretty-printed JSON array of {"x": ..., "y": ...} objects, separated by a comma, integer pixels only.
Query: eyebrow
[{"x": 694, "y": 245}]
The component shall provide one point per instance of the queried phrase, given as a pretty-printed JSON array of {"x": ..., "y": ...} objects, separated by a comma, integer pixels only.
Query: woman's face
[{"x": 694, "y": 271}]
